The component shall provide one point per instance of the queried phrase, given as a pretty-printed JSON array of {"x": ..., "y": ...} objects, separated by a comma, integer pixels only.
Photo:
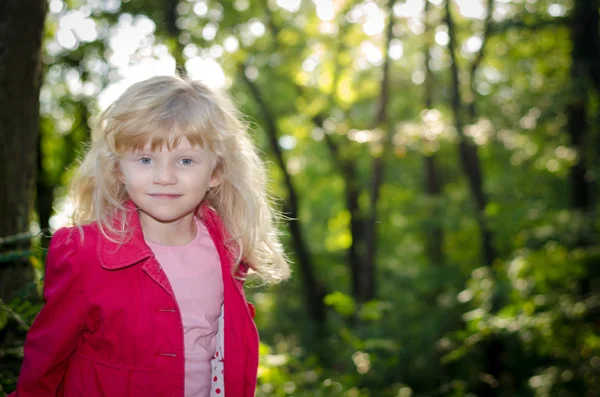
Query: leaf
[{"x": 342, "y": 303}]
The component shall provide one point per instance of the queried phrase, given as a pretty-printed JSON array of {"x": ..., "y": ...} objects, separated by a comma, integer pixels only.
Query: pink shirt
[{"x": 194, "y": 271}]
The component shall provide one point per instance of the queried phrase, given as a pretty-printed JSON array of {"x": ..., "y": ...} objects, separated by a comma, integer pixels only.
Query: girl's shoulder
[{"x": 75, "y": 237}]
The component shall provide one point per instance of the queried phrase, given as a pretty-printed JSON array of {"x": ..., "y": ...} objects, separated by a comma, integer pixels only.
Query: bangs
[
  {"x": 155, "y": 136},
  {"x": 163, "y": 125}
]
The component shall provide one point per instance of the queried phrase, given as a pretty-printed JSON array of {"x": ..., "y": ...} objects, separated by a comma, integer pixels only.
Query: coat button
[{"x": 158, "y": 268}]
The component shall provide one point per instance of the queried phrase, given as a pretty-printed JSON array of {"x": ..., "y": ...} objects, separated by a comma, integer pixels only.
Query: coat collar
[{"x": 114, "y": 255}]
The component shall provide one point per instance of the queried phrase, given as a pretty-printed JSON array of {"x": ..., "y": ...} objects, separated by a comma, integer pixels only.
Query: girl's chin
[{"x": 159, "y": 217}]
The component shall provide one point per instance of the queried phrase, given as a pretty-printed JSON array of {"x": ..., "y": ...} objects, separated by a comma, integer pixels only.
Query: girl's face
[{"x": 168, "y": 186}]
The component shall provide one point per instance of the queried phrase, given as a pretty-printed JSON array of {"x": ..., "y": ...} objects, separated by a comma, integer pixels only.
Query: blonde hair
[{"x": 160, "y": 112}]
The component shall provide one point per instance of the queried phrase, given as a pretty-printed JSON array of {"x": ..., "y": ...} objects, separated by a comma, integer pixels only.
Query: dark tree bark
[
  {"x": 355, "y": 252},
  {"x": 368, "y": 286},
  {"x": 314, "y": 291},
  {"x": 44, "y": 197},
  {"x": 468, "y": 156},
  {"x": 487, "y": 31},
  {"x": 585, "y": 77},
  {"x": 433, "y": 187},
  {"x": 175, "y": 32},
  {"x": 585, "y": 65},
  {"x": 21, "y": 29},
  {"x": 493, "y": 347},
  {"x": 591, "y": 31}
]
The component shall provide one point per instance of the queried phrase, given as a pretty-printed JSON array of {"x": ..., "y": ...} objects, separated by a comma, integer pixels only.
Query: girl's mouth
[{"x": 164, "y": 195}]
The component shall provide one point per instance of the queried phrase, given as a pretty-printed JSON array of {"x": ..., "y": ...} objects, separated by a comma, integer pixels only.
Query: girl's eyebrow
[
  {"x": 189, "y": 152},
  {"x": 179, "y": 152}
]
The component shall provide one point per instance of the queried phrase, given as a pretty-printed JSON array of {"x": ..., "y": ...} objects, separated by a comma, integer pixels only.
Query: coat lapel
[
  {"x": 219, "y": 234},
  {"x": 114, "y": 255}
]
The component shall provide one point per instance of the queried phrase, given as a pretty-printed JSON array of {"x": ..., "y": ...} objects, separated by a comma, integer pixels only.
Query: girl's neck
[{"x": 179, "y": 232}]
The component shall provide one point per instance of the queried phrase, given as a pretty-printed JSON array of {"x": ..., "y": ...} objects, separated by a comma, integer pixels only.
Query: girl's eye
[
  {"x": 146, "y": 160},
  {"x": 186, "y": 161}
]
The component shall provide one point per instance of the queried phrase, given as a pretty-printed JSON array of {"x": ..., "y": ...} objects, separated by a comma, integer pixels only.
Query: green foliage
[
  {"x": 15, "y": 318},
  {"x": 434, "y": 321},
  {"x": 546, "y": 320},
  {"x": 342, "y": 303}
]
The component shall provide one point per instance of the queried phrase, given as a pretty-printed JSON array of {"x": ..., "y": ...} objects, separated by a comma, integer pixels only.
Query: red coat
[{"x": 111, "y": 325}]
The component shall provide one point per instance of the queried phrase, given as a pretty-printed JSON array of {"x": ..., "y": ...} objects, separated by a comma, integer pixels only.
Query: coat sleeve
[{"x": 57, "y": 328}]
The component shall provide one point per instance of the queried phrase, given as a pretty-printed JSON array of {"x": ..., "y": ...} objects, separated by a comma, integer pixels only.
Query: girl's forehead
[
  {"x": 158, "y": 142},
  {"x": 182, "y": 146}
]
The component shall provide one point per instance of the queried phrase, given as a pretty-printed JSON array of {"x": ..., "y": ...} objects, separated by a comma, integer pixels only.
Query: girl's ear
[
  {"x": 215, "y": 180},
  {"x": 216, "y": 177}
]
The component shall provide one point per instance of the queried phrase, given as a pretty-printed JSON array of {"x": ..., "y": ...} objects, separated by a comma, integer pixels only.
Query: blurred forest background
[{"x": 438, "y": 160}]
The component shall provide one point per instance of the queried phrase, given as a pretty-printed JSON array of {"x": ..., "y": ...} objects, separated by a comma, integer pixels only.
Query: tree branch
[
  {"x": 174, "y": 33},
  {"x": 523, "y": 24},
  {"x": 469, "y": 159},
  {"x": 381, "y": 118},
  {"x": 434, "y": 239},
  {"x": 273, "y": 28},
  {"x": 479, "y": 57},
  {"x": 346, "y": 166},
  {"x": 313, "y": 290}
]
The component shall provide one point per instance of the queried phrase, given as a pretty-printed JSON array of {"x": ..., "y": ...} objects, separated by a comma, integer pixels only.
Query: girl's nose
[{"x": 165, "y": 175}]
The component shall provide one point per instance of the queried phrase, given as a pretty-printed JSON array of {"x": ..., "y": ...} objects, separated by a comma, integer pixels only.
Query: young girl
[{"x": 145, "y": 296}]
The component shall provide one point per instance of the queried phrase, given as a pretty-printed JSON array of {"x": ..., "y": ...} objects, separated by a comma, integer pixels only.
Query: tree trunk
[
  {"x": 585, "y": 69},
  {"x": 368, "y": 286},
  {"x": 356, "y": 251},
  {"x": 21, "y": 28},
  {"x": 314, "y": 291},
  {"x": 435, "y": 237},
  {"x": 585, "y": 37},
  {"x": 175, "y": 32},
  {"x": 44, "y": 197},
  {"x": 469, "y": 159},
  {"x": 468, "y": 156}
]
